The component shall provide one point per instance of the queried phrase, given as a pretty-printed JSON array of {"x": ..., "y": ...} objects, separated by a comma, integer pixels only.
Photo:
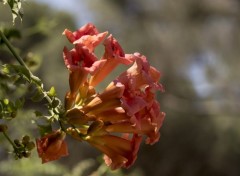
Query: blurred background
[{"x": 195, "y": 45}]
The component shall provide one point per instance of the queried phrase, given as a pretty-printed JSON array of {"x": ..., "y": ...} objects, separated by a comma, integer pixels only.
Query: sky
[{"x": 78, "y": 8}]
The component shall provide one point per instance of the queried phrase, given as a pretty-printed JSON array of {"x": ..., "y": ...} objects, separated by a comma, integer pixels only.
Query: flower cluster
[{"x": 115, "y": 120}]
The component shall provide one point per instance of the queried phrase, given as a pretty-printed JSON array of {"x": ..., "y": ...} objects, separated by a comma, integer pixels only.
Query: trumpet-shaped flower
[
  {"x": 119, "y": 151},
  {"x": 52, "y": 146}
]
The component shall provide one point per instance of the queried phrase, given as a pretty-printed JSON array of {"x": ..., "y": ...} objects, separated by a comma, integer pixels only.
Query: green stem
[
  {"x": 61, "y": 125},
  {"x": 9, "y": 140},
  {"x": 11, "y": 48},
  {"x": 35, "y": 79}
]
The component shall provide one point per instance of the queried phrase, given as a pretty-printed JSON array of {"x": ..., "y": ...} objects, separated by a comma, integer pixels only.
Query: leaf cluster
[
  {"x": 55, "y": 110},
  {"x": 10, "y": 33},
  {"x": 16, "y": 8},
  {"x": 8, "y": 109},
  {"x": 20, "y": 72}
]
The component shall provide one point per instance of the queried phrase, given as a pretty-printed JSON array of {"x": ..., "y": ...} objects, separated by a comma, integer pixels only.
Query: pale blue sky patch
[
  {"x": 78, "y": 8},
  {"x": 197, "y": 72}
]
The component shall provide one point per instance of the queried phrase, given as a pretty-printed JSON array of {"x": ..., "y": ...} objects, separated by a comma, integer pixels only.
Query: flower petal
[
  {"x": 88, "y": 29},
  {"x": 52, "y": 146},
  {"x": 91, "y": 41},
  {"x": 119, "y": 152},
  {"x": 114, "y": 55}
]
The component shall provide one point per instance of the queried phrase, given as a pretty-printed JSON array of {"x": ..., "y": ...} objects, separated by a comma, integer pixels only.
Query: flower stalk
[
  {"x": 11, "y": 48},
  {"x": 9, "y": 140}
]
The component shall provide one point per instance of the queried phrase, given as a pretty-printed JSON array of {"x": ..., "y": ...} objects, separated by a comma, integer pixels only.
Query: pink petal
[
  {"x": 114, "y": 56},
  {"x": 88, "y": 29},
  {"x": 91, "y": 41}
]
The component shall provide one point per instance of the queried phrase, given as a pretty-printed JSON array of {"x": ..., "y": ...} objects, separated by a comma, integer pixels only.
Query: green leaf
[
  {"x": 10, "y": 69},
  {"x": 10, "y": 106},
  {"x": 6, "y": 101},
  {"x": 5, "y": 70},
  {"x": 55, "y": 103},
  {"x": 8, "y": 109},
  {"x": 20, "y": 80},
  {"x": 16, "y": 8},
  {"x": 38, "y": 96},
  {"x": 11, "y": 33},
  {"x": 52, "y": 92}
]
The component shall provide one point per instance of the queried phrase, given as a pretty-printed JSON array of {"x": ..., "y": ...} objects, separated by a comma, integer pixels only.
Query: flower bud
[
  {"x": 17, "y": 142},
  {"x": 26, "y": 154},
  {"x": 30, "y": 145},
  {"x": 25, "y": 139}
]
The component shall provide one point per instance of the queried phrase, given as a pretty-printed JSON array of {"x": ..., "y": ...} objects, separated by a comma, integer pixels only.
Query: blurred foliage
[
  {"x": 30, "y": 38},
  {"x": 195, "y": 44}
]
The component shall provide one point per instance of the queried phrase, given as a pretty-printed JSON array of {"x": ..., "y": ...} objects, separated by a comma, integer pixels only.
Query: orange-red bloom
[
  {"x": 114, "y": 120},
  {"x": 52, "y": 146}
]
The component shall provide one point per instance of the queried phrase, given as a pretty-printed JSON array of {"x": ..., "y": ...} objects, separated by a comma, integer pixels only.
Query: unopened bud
[
  {"x": 17, "y": 142},
  {"x": 30, "y": 145},
  {"x": 26, "y": 154},
  {"x": 25, "y": 139}
]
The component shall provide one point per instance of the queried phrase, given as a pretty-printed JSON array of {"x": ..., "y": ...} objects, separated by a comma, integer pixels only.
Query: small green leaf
[
  {"x": 55, "y": 103},
  {"x": 5, "y": 69},
  {"x": 22, "y": 70},
  {"x": 6, "y": 101},
  {"x": 12, "y": 33},
  {"x": 12, "y": 70},
  {"x": 38, "y": 96},
  {"x": 10, "y": 107},
  {"x": 20, "y": 80},
  {"x": 52, "y": 92},
  {"x": 16, "y": 7}
]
